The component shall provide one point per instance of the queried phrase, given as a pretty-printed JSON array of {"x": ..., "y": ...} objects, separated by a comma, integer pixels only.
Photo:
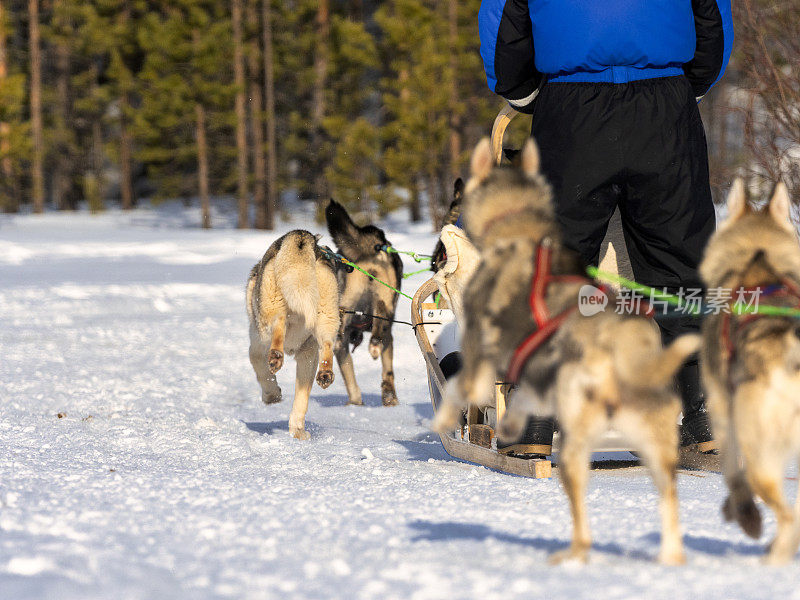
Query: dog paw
[
  {"x": 375, "y": 348},
  {"x": 389, "y": 399},
  {"x": 356, "y": 401},
  {"x": 445, "y": 419},
  {"x": 571, "y": 554},
  {"x": 300, "y": 434},
  {"x": 271, "y": 398},
  {"x": 275, "y": 360},
  {"x": 672, "y": 558},
  {"x": 511, "y": 427},
  {"x": 324, "y": 378}
]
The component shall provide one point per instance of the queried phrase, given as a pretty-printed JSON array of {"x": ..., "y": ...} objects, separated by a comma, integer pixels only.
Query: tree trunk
[
  {"x": 241, "y": 117},
  {"x": 62, "y": 172},
  {"x": 125, "y": 155},
  {"x": 202, "y": 165},
  {"x": 321, "y": 59},
  {"x": 8, "y": 199},
  {"x": 455, "y": 117},
  {"x": 414, "y": 209},
  {"x": 256, "y": 114},
  {"x": 125, "y": 137},
  {"x": 271, "y": 155},
  {"x": 36, "y": 106}
]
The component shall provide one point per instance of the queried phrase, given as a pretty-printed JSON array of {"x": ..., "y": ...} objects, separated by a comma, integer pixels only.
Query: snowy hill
[{"x": 166, "y": 477}]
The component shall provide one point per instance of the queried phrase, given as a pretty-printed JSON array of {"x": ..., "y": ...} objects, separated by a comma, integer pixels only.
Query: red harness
[
  {"x": 786, "y": 288},
  {"x": 545, "y": 324}
]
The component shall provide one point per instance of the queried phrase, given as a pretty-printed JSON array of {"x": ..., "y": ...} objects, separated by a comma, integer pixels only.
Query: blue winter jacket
[{"x": 612, "y": 41}]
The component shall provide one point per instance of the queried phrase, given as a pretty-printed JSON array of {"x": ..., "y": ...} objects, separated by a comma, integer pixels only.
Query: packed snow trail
[{"x": 166, "y": 477}]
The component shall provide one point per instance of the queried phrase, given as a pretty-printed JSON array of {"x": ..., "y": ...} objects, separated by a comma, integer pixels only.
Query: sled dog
[
  {"x": 595, "y": 372},
  {"x": 751, "y": 363},
  {"x": 361, "y": 294},
  {"x": 292, "y": 303}
]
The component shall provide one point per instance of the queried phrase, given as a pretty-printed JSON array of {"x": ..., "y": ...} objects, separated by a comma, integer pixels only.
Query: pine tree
[
  {"x": 183, "y": 127},
  {"x": 14, "y": 131}
]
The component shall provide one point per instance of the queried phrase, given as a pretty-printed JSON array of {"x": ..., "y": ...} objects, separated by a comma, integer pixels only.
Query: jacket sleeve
[
  {"x": 713, "y": 24},
  {"x": 507, "y": 51}
]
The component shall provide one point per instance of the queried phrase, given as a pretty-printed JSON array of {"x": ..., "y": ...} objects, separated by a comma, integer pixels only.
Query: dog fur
[
  {"x": 292, "y": 303},
  {"x": 361, "y": 245},
  {"x": 597, "y": 372},
  {"x": 753, "y": 396}
]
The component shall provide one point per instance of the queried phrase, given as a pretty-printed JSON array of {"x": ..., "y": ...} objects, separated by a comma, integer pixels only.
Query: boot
[
  {"x": 695, "y": 427},
  {"x": 536, "y": 442}
]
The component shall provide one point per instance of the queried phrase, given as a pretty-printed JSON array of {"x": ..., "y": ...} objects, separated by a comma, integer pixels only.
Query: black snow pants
[{"x": 639, "y": 146}]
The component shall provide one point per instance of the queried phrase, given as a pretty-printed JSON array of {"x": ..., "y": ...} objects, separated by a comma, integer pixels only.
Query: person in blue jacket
[{"x": 613, "y": 87}]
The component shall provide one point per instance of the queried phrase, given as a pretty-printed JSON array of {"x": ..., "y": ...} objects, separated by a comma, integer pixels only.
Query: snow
[{"x": 166, "y": 477}]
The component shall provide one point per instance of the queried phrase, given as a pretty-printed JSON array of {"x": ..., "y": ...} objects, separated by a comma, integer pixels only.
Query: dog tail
[
  {"x": 344, "y": 232},
  {"x": 296, "y": 275},
  {"x": 646, "y": 365},
  {"x": 740, "y": 506}
]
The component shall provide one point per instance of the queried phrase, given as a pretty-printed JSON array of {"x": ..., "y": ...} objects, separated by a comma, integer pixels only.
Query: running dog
[
  {"x": 593, "y": 372},
  {"x": 751, "y": 362},
  {"x": 292, "y": 303},
  {"x": 366, "y": 304}
]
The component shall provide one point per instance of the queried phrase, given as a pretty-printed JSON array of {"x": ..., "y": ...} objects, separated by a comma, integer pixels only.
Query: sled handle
[{"x": 504, "y": 117}]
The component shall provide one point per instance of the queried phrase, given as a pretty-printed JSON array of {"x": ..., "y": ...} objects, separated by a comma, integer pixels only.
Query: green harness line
[
  {"x": 416, "y": 256},
  {"x": 739, "y": 308},
  {"x": 338, "y": 257},
  {"x": 407, "y": 275}
]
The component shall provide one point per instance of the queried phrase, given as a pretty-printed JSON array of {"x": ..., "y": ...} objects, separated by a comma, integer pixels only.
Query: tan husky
[
  {"x": 594, "y": 373},
  {"x": 751, "y": 364},
  {"x": 293, "y": 305}
]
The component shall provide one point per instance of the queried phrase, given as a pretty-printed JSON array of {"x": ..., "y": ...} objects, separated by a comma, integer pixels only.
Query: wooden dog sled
[{"x": 436, "y": 334}]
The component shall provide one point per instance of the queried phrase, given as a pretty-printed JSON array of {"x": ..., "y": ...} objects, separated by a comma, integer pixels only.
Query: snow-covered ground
[{"x": 166, "y": 477}]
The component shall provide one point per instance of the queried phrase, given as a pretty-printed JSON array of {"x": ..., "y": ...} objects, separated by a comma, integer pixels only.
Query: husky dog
[
  {"x": 751, "y": 364},
  {"x": 359, "y": 293},
  {"x": 292, "y": 302},
  {"x": 593, "y": 373}
]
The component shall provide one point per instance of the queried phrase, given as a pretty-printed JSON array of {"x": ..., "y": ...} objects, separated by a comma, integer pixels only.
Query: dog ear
[
  {"x": 458, "y": 190},
  {"x": 482, "y": 161},
  {"x": 737, "y": 201},
  {"x": 780, "y": 206},
  {"x": 529, "y": 162},
  {"x": 341, "y": 227}
]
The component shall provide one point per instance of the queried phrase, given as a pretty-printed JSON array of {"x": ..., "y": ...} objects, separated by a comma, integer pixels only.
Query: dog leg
[
  {"x": 766, "y": 478},
  {"x": 388, "y": 393},
  {"x": 270, "y": 392},
  {"x": 573, "y": 466},
  {"x": 381, "y": 329},
  {"x": 345, "y": 360},
  {"x": 327, "y": 327},
  {"x": 659, "y": 449},
  {"x": 276, "y": 345},
  {"x": 306, "y": 359}
]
